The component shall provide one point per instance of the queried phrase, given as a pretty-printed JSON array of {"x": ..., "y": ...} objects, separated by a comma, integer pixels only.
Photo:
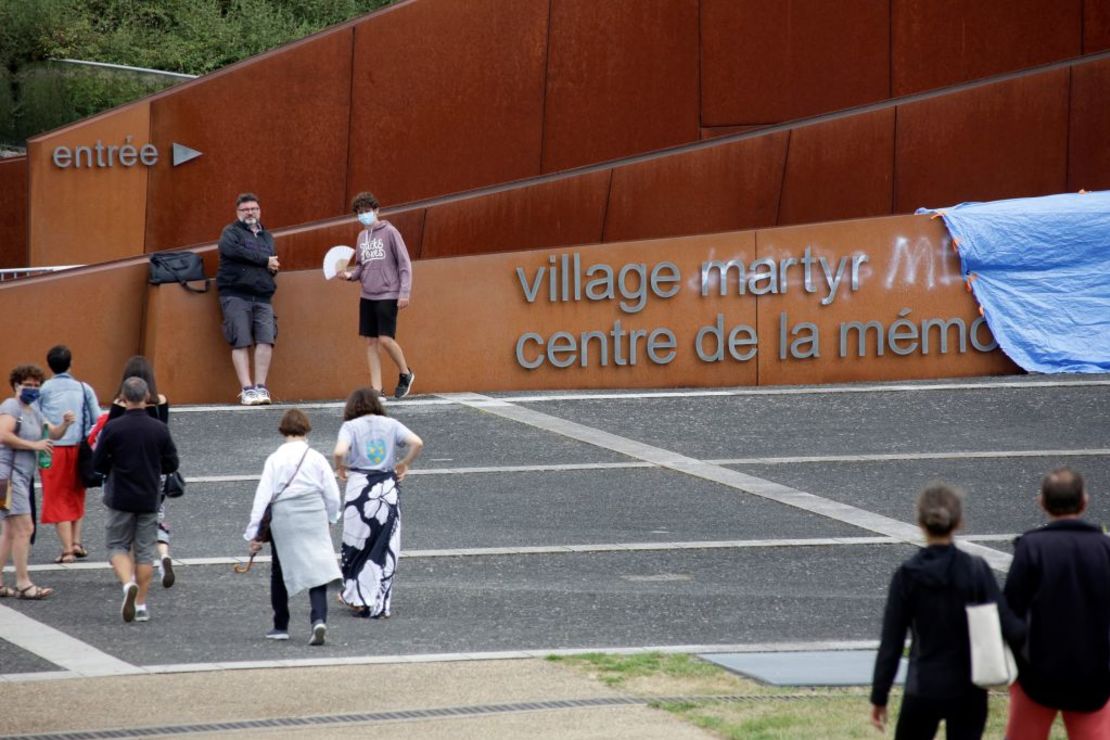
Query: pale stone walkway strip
[
  {"x": 78, "y": 658},
  {"x": 463, "y": 552},
  {"x": 525, "y": 654},
  {"x": 708, "y": 471},
  {"x": 800, "y": 460}
]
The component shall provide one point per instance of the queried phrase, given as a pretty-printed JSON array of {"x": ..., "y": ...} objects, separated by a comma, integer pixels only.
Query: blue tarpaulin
[{"x": 1040, "y": 269}]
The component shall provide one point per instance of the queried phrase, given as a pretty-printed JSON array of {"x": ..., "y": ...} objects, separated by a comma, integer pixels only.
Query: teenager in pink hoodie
[{"x": 382, "y": 265}]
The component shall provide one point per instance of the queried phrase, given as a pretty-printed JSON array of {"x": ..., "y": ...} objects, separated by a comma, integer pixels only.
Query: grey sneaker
[
  {"x": 168, "y": 577},
  {"x": 262, "y": 395},
  {"x": 141, "y": 613},
  {"x": 404, "y": 384},
  {"x": 248, "y": 397},
  {"x": 319, "y": 631},
  {"x": 127, "y": 609},
  {"x": 276, "y": 634}
]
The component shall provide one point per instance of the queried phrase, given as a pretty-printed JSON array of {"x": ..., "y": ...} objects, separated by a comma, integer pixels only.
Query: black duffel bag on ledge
[{"x": 178, "y": 267}]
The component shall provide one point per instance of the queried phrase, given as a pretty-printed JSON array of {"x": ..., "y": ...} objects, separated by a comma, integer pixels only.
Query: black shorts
[{"x": 377, "y": 318}]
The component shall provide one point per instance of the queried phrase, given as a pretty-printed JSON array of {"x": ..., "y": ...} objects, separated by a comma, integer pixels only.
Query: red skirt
[{"x": 63, "y": 497}]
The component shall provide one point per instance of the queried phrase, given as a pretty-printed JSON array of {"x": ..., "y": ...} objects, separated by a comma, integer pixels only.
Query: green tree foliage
[{"x": 187, "y": 36}]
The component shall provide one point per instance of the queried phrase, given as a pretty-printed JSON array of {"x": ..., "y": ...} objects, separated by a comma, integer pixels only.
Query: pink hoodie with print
[{"x": 382, "y": 263}]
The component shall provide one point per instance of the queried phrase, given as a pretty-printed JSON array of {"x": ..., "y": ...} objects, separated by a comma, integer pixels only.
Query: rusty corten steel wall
[
  {"x": 429, "y": 97},
  {"x": 13, "y": 212},
  {"x": 910, "y": 276}
]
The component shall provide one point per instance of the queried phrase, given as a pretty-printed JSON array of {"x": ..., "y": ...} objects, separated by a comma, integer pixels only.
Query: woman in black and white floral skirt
[{"x": 373, "y": 454}]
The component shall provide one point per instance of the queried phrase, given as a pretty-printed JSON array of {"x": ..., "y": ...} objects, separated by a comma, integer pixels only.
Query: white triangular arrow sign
[{"x": 183, "y": 154}]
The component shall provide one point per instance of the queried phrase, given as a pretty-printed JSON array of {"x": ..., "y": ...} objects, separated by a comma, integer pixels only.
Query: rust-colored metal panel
[
  {"x": 447, "y": 96},
  {"x": 714, "y": 132},
  {"x": 13, "y": 212},
  {"x": 1096, "y": 25},
  {"x": 906, "y": 272},
  {"x": 942, "y": 42},
  {"x": 840, "y": 169},
  {"x": 1088, "y": 145},
  {"x": 276, "y": 126},
  {"x": 774, "y": 61},
  {"x": 1002, "y": 140},
  {"x": 622, "y": 78},
  {"x": 85, "y": 214},
  {"x": 537, "y": 310},
  {"x": 96, "y": 312},
  {"x": 715, "y": 188},
  {"x": 566, "y": 211}
]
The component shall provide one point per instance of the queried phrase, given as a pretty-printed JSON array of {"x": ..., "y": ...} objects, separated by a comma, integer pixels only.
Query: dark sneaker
[
  {"x": 319, "y": 631},
  {"x": 276, "y": 634},
  {"x": 127, "y": 609},
  {"x": 167, "y": 572},
  {"x": 404, "y": 384}
]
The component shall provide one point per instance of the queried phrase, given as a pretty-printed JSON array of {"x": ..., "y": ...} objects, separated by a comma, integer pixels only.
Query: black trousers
[
  {"x": 964, "y": 717},
  {"x": 279, "y": 597}
]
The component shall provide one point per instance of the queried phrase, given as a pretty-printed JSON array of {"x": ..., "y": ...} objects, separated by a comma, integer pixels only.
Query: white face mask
[{"x": 367, "y": 219}]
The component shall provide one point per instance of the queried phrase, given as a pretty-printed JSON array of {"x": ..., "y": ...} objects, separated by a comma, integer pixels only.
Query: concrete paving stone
[
  {"x": 1000, "y": 492},
  {"x": 806, "y": 668},
  {"x": 479, "y": 604},
  {"x": 257, "y": 694},
  {"x": 722, "y": 427}
]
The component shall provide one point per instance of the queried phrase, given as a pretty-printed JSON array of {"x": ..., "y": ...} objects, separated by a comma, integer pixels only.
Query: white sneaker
[
  {"x": 319, "y": 631},
  {"x": 276, "y": 634},
  {"x": 262, "y": 393},
  {"x": 127, "y": 609},
  {"x": 141, "y": 613},
  {"x": 248, "y": 397}
]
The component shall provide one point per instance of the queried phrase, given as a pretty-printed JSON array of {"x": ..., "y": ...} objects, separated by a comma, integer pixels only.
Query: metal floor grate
[{"x": 404, "y": 715}]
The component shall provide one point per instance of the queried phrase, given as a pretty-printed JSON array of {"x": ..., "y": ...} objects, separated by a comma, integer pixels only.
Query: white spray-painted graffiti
[{"x": 920, "y": 263}]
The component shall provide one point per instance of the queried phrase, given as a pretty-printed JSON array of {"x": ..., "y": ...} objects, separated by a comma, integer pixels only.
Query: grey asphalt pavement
[{"x": 594, "y": 549}]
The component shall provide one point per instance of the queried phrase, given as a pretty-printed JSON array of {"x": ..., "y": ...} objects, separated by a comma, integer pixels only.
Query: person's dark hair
[
  {"x": 940, "y": 509},
  {"x": 59, "y": 358},
  {"x": 361, "y": 402},
  {"x": 365, "y": 200},
  {"x": 1062, "y": 492},
  {"x": 139, "y": 367},
  {"x": 246, "y": 198},
  {"x": 134, "y": 390},
  {"x": 25, "y": 372},
  {"x": 294, "y": 423}
]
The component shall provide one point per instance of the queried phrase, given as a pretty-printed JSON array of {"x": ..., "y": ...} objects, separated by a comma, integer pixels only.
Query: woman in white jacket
[{"x": 301, "y": 485}]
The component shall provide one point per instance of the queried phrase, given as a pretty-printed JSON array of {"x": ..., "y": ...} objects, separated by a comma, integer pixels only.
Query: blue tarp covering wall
[{"x": 1040, "y": 269}]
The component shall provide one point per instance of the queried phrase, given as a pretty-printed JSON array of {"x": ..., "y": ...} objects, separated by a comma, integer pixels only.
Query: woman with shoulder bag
[
  {"x": 299, "y": 489},
  {"x": 928, "y": 597}
]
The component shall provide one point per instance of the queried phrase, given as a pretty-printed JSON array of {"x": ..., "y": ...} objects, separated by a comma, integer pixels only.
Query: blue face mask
[
  {"x": 367, "y": 219},
  {"x": 29, "y": 395}
]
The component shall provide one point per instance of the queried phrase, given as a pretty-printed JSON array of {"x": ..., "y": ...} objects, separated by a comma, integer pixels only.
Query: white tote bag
[{"x": 992, "y": 663}]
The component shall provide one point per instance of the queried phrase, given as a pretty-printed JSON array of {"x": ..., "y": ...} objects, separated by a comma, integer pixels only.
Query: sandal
[
  {"x": 33, "y": 593},
  {"x": 66, "y": 557},
  {"x": 6, "y": 591},
  {"x": 79, "y": 550}
]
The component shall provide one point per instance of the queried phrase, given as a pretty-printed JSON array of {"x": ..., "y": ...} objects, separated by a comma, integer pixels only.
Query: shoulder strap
[{"x": 295, "y": 471}]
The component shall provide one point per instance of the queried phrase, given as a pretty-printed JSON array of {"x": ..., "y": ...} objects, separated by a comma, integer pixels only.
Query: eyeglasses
[{"x": 255, "y": 209}]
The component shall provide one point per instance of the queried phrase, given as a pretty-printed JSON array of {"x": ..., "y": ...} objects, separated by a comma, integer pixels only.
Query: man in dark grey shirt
[{"x": 133, "y": 452}]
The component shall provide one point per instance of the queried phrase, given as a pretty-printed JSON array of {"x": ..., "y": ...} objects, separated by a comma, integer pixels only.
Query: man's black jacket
[
  {"x": 1059, "y": 584},
  {"x": 244, "y": 260},
  {"x": 133, "y": 451}
]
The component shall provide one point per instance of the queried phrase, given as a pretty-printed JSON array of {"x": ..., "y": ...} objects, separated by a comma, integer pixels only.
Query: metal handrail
[{"x": 18, "y": 273}]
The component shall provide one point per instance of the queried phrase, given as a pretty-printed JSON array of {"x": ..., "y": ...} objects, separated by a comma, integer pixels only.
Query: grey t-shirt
[
  {"x": 374, "y": 441},
  {"x": 30, "y": 429}
]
